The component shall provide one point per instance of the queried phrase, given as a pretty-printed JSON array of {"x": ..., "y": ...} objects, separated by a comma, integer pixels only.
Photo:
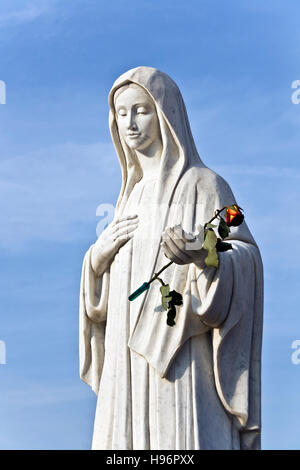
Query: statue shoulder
[{"x": 204, "y": 179}]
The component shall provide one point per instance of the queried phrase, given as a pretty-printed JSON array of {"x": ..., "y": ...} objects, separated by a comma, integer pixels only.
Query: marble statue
[{"x": 196, "y": 385}]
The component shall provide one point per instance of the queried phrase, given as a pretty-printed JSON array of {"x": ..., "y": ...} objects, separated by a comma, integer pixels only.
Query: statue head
[
  {"x": 160, "y": 121},
  {"x": 136, "y": 117}
]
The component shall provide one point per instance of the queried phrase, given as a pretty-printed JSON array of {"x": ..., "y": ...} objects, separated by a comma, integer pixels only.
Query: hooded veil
[{"x": 223, "y": 304}]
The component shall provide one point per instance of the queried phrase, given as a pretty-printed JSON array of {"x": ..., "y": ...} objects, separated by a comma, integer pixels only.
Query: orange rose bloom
[{"x": 233, "y": 216}]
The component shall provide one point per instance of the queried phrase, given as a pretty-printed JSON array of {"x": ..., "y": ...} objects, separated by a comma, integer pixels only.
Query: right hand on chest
[{"x": 110, "y": 241}]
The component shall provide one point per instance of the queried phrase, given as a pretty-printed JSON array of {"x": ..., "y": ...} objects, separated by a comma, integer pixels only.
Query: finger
[
  {"x": 179, "y": 253},
  {"x": 123, "y": 239},
  {"x": 192, "y": 247},
  {"x": 176, "y": 232},
  {"x": 169, "y": 254},
  {"x": 179, "y": 233},
  {"x": 177, "y": 244},
  {"x": 123, "y": 232},
  {"x": 124, "y": 224},
  {"x": 192, "y": 242},
  {"x": 176, "y": 235},
  {"x": 125, "y": 217},
  {"x": 189, "y": 237},
  {"x": 185, "y": 236},
  {"x": 167, "y": 233}
]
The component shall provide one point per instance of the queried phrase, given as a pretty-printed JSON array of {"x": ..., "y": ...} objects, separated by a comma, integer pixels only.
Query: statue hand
[
  {"x": 183, "y": 247},
  {"x": 110, "y": 241}
]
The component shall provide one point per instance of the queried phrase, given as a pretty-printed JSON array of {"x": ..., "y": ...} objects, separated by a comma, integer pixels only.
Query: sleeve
[
  {"x": 92, "y": 321},
  {"x": 229, "y": 299}
]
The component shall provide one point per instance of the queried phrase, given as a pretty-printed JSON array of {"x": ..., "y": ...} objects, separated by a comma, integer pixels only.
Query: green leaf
[
  {"x": 223, "y": 229},
  {"x": 209, "y": 244},
  {"x": 171, "y": 316},
  {"x": 169, "y": 300},
  {"x": 210, "y": 240},
  {"x": 176, "y": 298},
  {"x": 165, "y": 302},
  {"x": 165, "y": 290},
  {"x": 212, "y": 259},
  {"x": 210, "y": 226},
  {"x": 165, "y": 296},
  {"x": 223, "y": 246}
]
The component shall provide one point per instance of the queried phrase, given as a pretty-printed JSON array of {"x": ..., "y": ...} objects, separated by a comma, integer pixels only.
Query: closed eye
[{"x": 141, "y": 111}]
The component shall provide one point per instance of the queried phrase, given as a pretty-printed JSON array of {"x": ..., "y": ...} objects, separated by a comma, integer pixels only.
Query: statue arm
[
  {"x": 95, "y": 290},
  {"x": 92, "y": 316}
]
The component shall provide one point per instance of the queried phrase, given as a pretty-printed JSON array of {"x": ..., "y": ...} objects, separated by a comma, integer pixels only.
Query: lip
[{"x": 133, "y": 135}]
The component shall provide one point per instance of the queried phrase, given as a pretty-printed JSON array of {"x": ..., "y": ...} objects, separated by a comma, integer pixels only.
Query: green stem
[
  {"x": 215, "y": 216},
  {"x": 157, "y": 274}
]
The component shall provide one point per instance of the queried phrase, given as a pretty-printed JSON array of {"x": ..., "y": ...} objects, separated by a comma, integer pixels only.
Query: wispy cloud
[{"x": 24, "y": 15}]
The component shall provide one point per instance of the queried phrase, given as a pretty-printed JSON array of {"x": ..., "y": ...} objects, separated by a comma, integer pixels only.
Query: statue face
[{"x": 137, "y": 119}]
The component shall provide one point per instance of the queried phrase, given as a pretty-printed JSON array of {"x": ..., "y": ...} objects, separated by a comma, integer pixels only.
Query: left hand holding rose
[
  {"x": 202, "y": 249},
  {"x": 182, "y": 247}
]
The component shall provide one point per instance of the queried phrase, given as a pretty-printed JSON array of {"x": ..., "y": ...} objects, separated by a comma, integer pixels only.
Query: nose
[{"x": 131, "y": 122}]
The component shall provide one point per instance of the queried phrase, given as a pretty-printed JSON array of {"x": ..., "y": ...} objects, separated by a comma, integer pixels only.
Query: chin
[
  {"x": 133, "y": 145},
  {"x": 138, "y": 144}
]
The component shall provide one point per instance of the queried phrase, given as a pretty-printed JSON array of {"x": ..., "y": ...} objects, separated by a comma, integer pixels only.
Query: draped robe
[{"x": 195, "y": 385}]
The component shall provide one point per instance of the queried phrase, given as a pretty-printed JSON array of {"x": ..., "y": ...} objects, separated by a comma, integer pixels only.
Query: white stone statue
[{"x": 195, "y": 385}]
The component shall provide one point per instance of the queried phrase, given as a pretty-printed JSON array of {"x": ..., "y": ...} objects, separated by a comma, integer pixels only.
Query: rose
[
  {"x": 183, "y": 248},
  {"x": 233, "y": 215}
]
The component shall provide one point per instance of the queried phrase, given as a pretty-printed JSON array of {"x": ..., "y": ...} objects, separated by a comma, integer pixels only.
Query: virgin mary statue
[{"x": 195, "y": 385}]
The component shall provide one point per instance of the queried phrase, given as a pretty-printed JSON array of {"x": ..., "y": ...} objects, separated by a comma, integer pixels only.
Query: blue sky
[{"x": 234, "y": 63}]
